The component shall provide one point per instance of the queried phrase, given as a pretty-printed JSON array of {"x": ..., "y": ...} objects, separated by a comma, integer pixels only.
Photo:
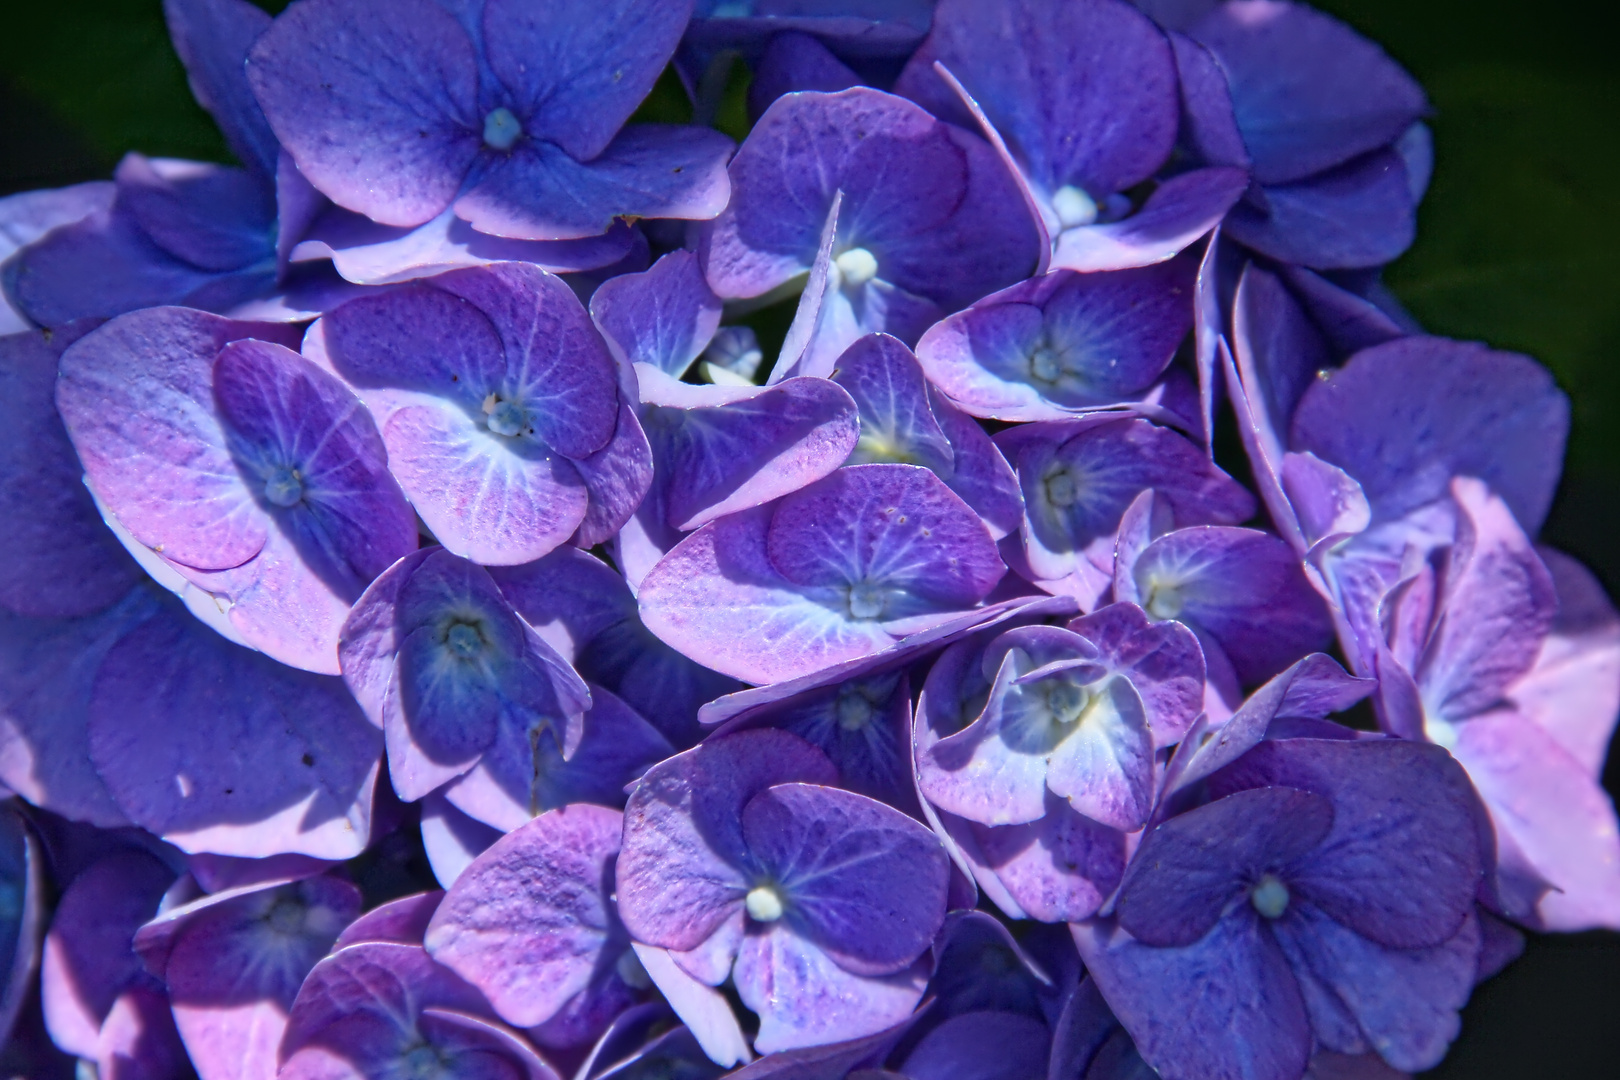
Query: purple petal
[
  {"x": 1060, "y": 868},
  {"x": 529, "y": 921},
  {"x": 1036, "y": 351},
  {"x": 704, "y": 1011},
  {"x": 579, "y": 68},
  {"x": 61, "y": 559},
  {"x": 525, "y": 772},
  {"x": 377, "y": 102},
  {"x": 1327, "y": 501},
  {"x": 88, "y": 960},
  {"x": 725, "y": 449},
  {"x": 1309, "y": 92},
  {"x": 1400, "y": 866},
  {"x": 401, "y": 921},
  {"x": 370, "y": 254},
  {"x": 1357, "y": 215},
  {"x": 1242, "y": 587},
  {"x": 1405, "y": 1001},
  {"x": 1056, "y": 81},
  {"x": 213, "y": 38},
  {"x": 862, "y": 881},
  {"x": 1179, "y": 211},
  {"x": 1162, "y": 661},
  {"x": 27, "y": 216},
  {"x": 1278, "y": 352},
  {"x": 981, "y": 1046},
  {"x": 894, "y": 526},
  {"x": 648, "y": 171},
  {"x": 1496, "y": 608},
  {"x": 1425, "y": 410},
  {"x": 664, "y": 317},
  {"x": 266, "y": 760},
  {"x": 980, "y": 474},
  {"x": 897, "y": 422},
  {"x": 138, "y": 1040},
  {"x": 1225, "y": 1006},
  {"x": 1209, "y": 126},
  {"x": 1192, "y": 869},
  {"x": 213, "y": 217},
  {"x": 796, "y": 61},
  {"x": 804, "y": 999},
  {"x": 679, "y": 873}
]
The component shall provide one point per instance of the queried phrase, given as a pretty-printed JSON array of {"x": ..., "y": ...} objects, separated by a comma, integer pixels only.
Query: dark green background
[{"x": 1517, "y": 246}]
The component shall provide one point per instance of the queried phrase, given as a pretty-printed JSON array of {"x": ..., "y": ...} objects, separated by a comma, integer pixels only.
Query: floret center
[
  {"x": 1066, "y": 700},
  {"x": 1045, "y": 363},
  {"x": 465, "y": 640},
  {"x": 1073, "y": 207},
  {"x": 1164, "y": 601},
  {"x": 501, "y": 129},
  {"x": 286, "y": 917},
  {"x": 504, "y": 416},
  {"x": 422, "y": 1062},
  {"x": 764, "y": 903},
  {"x": 1269, "y": 896},
  {"x": 856, "y": 266},
  {"x": 285, "y": 487},
  {"x": 1062, "y": 488},
  {"x": 854, "y": 711},
  {"x": 865, "y": 601}
]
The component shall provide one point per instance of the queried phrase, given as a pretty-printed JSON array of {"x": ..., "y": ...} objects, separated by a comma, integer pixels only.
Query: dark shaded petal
[
  {"x": 981, "y": 1046},
  {"x": 213, "y": 38},
  {"x": 1356, "y": 215}
]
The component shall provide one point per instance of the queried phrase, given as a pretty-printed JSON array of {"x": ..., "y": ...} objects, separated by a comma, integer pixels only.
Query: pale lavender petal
[
  {"x": 1060, "y": 868},
  {"x": 452, "y": 839},
  {"x": 401, "y": 921},
  {"x": 664, "y": 317},
  {"x": 1178, "y": 212},
  {"x": 1162, "y": 661},
  {"x": 705, "y": 1011},
  {"x": 138, "y": 1040}
]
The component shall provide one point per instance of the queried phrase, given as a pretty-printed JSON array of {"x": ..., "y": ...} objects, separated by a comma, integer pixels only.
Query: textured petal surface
[{"x": 1060, "y": 868}]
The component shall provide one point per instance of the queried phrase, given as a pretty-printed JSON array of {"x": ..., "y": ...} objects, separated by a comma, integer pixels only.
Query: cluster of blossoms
[{"x": 926, "y": 702}]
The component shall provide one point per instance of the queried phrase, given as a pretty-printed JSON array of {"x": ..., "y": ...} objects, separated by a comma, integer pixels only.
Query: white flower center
[
  {"x": 501, "y": 129},
  {"x": 764, "y": 903},
  {"x": 1073, "y": 207},
  {"x": 1269, "y": 896},
  {"x": 285, "y": 487},
  {"x": 865, "y": 601},
  {"x": 856, "y": 266},
  {"x": 504, "y": 416},
  {"x": 1066, "y": 700}
]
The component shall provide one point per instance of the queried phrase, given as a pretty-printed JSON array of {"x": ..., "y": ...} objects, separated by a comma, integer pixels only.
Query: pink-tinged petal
[
  {"x": 1401, "y": 866},
  {"x": 829, "y": 1061},
  {"x": 1497, "y": 604},
  {"x": 236, "y": 967},
  {"x": 720, "y": 579},
  {"x": 1223, "y": 1008},
  {"x": 402, "y": 921},
  {"x": 647, "y": 171},
  {"x": 1404, "y": 1001},
  {"x": 138, "y": 1040},
  {"x": 529, "y": 922},
  {"x": 749, "y": 447},
  {"x": 218, "y": 749},
  {"x": 703, "y": 1010},
  {"x": 579, "y": 68},
  {"x": 862, "y": 881},
  {"x": 376, "y": 101},
  {"x": 680, "y": 873},
  {"x": 1192, "y": 869},
  {"x": 367, "y": 253},
  {"x": 1178, "y": 212},
  {"x": 1309, "y": 92},
  {"x": 452, "y": 839},
  {"x": 1327, "y": 500},
  {"x": 710, "y": 962},
  {"x": 1084, "y": 93},
  {"x": 484, "y": 500},
  {"x": 804, "y": 999},
  {"x": 664, "y": 317},
  {"x": 1060, "y": 868},
  {"x": 1552, "y": 819},
  {"x": 138, "y": 402},
  {"x": 822, "y": 317},
  {"x": 1573, "y": 692},
  {"x": 1425, "y": 410},
  {"x": 981, "y": 1046},
  {"x": 88, "y": 960},
  {"x": 1355, "y": 216}
]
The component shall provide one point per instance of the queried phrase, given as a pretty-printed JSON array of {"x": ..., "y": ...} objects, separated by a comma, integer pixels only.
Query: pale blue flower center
[
  {"x": 284, "y": 487},
  {"x": 465, "y": 640},
  {"x": 854, "y": 711},
  {"x": 501, "y": 129},
  {"x": 1062, "y": 488},
  {"x": 865, "y": 601},
  {"x": 1269, "y": 896},
  {"x": 505, "y": 416},
  {"x": 286, "y": 917}
]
